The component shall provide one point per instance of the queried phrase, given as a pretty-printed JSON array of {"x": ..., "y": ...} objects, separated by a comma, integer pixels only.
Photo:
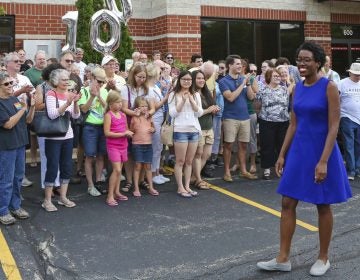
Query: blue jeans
[
  {"x": 59, "y": 155},
  {"x": 94, "y": 142},
  {"x": 351, "y": 132},
  {"x": 217, "y": 135},
  {"x": 12, "y": 170},
  {"x": 186, "y": 137}
]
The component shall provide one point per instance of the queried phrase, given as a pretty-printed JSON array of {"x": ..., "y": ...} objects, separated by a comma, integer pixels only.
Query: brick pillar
[{"x": 319, "y": 32}]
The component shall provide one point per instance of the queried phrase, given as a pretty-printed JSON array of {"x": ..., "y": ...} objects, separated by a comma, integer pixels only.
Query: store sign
[{"x": 340, "y": 31}]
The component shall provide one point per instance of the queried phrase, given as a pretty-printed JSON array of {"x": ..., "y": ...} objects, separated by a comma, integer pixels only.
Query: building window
[
  {"x": 7, "y": 33},
  {"x": 254, "y": 40}
]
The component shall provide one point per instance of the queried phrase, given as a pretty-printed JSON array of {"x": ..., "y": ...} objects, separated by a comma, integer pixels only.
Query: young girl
[
  {"x": 116, "y": 133},
  {"x": 143, "y": 128}
]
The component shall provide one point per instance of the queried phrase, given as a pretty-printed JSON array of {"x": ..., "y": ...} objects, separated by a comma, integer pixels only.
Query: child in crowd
[
  {"x": 116, "y": 133},
  {"x": 143, "y": 128}
]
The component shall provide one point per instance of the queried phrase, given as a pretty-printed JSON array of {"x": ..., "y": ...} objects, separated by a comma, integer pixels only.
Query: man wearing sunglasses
[{"x": 92, "y": 104}]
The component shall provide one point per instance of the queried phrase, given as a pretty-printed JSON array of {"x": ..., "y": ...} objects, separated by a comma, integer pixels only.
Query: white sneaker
[
  {"x": 164, "y": 178},
  {"x": 122, "y": 178},
  {"x": 319, "y": 268},
  {"x": 157, "y": 180},
  {"x": 273, "y": 265},
  {"x": 351, "y": 178},
  {"x": 26, "y": 182},
  {"x": 93, "y": 191}
]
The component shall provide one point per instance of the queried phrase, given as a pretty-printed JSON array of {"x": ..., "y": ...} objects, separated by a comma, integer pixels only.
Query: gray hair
[
  {"x": 66, "y": 52},
  {"x": 3, "y": 76},
  {"x": 55, "y": 76},
  {"x": 9, "y": 57},
  {"x": 39, "y": 52},
  {"x": 79, "y": 50}
]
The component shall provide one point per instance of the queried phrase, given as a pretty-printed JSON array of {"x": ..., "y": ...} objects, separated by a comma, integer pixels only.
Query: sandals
[
  {"x": 112, "y": 203},
  {"x": 66, "y": 202},
  {"x": 128, "y": 186},
  {"x": 184, "y": 194},
  {"x": 144, "y": 185},
  {"x": 202, "y": 185},
  {"x": 136, "y": 194}
]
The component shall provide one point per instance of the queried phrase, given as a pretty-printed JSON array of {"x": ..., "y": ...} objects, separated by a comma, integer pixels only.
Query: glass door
[{"x": 340, "y": 58}]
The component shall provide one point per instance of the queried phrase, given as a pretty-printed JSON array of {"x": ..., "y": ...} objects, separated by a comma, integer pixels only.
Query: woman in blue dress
[{"x": 320, "y": 178}]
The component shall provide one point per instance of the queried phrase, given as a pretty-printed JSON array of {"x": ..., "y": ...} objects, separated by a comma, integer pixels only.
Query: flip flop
[
  {"x": 121, "y": 198},
  {"x": 184, "y": 194},
  {"x": 112, "y": 203},
  {"x": 202, "y": 185},
  {"x": 153, "y": 192},
  {"x": 136, "y": 194}
]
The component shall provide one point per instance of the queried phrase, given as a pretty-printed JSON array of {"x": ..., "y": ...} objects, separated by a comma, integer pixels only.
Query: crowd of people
[
  {"x": 218, "y": 111},
  {"x": 222, "y": 115}
]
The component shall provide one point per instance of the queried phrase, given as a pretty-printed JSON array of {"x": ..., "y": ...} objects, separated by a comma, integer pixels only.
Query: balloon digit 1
[
  {"x": 71, "y": 19},
  {"x": 114, "y": 23}
]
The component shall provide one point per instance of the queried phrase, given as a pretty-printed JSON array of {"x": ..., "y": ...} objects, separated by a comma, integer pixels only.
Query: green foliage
[
  {"x": 180, "y": 66},
  {"x": 2, "y": 11},
  {"x": 86, "y": 9}
]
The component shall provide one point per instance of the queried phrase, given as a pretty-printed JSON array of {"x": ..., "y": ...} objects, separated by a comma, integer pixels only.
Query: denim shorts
[
  {"x": 93, "y": 139},
  {"x": 185, "y": 137},
  {"x": 142, "y": 153}
]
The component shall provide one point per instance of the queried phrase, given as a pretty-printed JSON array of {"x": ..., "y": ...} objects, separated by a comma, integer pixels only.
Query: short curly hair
[{"x": 317, "y": 51}]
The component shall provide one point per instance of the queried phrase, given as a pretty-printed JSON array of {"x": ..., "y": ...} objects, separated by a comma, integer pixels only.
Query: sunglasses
[
  {"x": 221, "y": 67},
  {"x": 69, "y": 61},
  {"x": 100, "y": 82},
  {"x": 253, "y": 71},
  {"x": 8, "y": 83},
  {"x": 169, "y": 57}
]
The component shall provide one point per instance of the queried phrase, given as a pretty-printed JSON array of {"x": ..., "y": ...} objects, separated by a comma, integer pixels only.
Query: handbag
[
  {"x": 46, "y": 127},
  {"x": 167, "y": 130}
]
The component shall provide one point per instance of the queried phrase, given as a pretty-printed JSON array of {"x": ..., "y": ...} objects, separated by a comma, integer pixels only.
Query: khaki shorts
[
  {"x": 207, "y": 137},
  {"x": 235, "y": 130}
]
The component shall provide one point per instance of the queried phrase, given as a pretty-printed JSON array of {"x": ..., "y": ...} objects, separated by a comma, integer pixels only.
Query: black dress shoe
[
  {"x": 220, "y": 161},
  {"x": 266, "y": 176}
]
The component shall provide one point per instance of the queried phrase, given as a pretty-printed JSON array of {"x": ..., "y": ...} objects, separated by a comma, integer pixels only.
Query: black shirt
[{"x": 17, "y": 136}]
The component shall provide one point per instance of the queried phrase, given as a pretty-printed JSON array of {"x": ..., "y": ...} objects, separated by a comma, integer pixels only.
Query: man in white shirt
[
  {"x": 79, "y": 54},
  {"x": 350, "y": 119},
  {"x": 329, "y": 73}
]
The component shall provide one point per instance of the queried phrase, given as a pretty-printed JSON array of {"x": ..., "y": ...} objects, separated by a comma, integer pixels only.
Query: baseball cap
[
  {"x": 107, "y": 58},
  {"x": 99, "y": 74}
]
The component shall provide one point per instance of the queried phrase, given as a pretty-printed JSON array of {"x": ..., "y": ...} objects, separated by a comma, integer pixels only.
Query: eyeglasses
[
  {"x": 186, "y": 80},
  {"x": 222, "y": 67},
  {"x": 16, "y": 61},
  {"x": 69, "y": 61},
  {"x": 253, "y": 71},
  {"x": 276, "y": 76},
  {"x": 7, "y": 83},
  {"x": 305, "y": 60},
  {"x": 72, "y": 89},
  {"x": 100, "y": 82},
  {"x": 169, "y": 57}
]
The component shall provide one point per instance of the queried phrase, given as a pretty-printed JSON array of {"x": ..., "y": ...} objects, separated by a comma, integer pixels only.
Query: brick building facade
[{"x": 169, "y": 25}]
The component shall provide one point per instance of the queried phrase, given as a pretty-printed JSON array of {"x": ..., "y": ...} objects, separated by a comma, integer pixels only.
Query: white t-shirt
[
  {"x": 350, "y": 99},
  {"x": 133, "y": 94},
  {"x": 19, "y": 82}
]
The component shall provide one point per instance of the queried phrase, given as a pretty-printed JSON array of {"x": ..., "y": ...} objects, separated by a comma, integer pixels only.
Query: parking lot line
[
  {"x": 260, "y": 206},
  {"x": 7, "y": 261}
]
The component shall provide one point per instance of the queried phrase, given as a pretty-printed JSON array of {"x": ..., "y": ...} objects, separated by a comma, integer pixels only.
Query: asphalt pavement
[{"x": 221, "y": 234}]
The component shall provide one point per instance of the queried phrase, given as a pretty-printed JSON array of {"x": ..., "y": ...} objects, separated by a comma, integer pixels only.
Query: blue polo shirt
[{"x": 236, "y": 110}]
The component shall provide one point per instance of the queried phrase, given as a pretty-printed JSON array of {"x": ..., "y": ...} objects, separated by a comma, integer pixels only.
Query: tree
[{"x": 86, "y": 9}]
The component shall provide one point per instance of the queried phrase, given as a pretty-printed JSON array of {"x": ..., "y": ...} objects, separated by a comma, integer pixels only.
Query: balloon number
[
  {"x": 111, "y": 15},
  {"x": 71, "y": 19}
]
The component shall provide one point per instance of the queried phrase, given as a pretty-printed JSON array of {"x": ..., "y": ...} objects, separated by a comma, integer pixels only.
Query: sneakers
[
  {"x": 7, "y": 219},
  {"x": 66, "y": 202},
  {"x": 266, "y": 175},
  {"x": 273, "y": 265},
  {"x": 20, "y": 214},
  {"x": 26, "y": 182},
  {"x": 93, "y": 191},
  {"x": 351, "y": 177},
  {"x": 319, "y": 268},
  {"x": 49, "y": 206},
  {"x": 100, "y": 187},
  {"x": 158, "y": 180},
  {"x": 164, "y": 178}
]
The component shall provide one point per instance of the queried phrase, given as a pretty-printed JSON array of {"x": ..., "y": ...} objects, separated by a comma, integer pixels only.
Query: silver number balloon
[
  {"x": 114, "y": 23},
  {"x": 127, "y": 12},
  {"x": 71, "y": 19}
]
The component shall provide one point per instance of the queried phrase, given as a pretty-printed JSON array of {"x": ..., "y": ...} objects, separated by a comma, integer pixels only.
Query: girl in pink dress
[{"x": 116, "y": 133}]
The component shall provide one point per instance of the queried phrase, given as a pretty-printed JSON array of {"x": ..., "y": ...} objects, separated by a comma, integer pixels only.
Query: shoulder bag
[
  {"x": 167, "y": 130},
  {"x": 46, "y": 127}
]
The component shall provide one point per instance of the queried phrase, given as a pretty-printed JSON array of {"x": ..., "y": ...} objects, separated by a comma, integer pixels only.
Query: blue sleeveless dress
[{"x": 311, "y": 110}]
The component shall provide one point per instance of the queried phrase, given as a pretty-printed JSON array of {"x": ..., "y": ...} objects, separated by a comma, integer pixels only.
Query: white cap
[{"x": 107, "y": 58}]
